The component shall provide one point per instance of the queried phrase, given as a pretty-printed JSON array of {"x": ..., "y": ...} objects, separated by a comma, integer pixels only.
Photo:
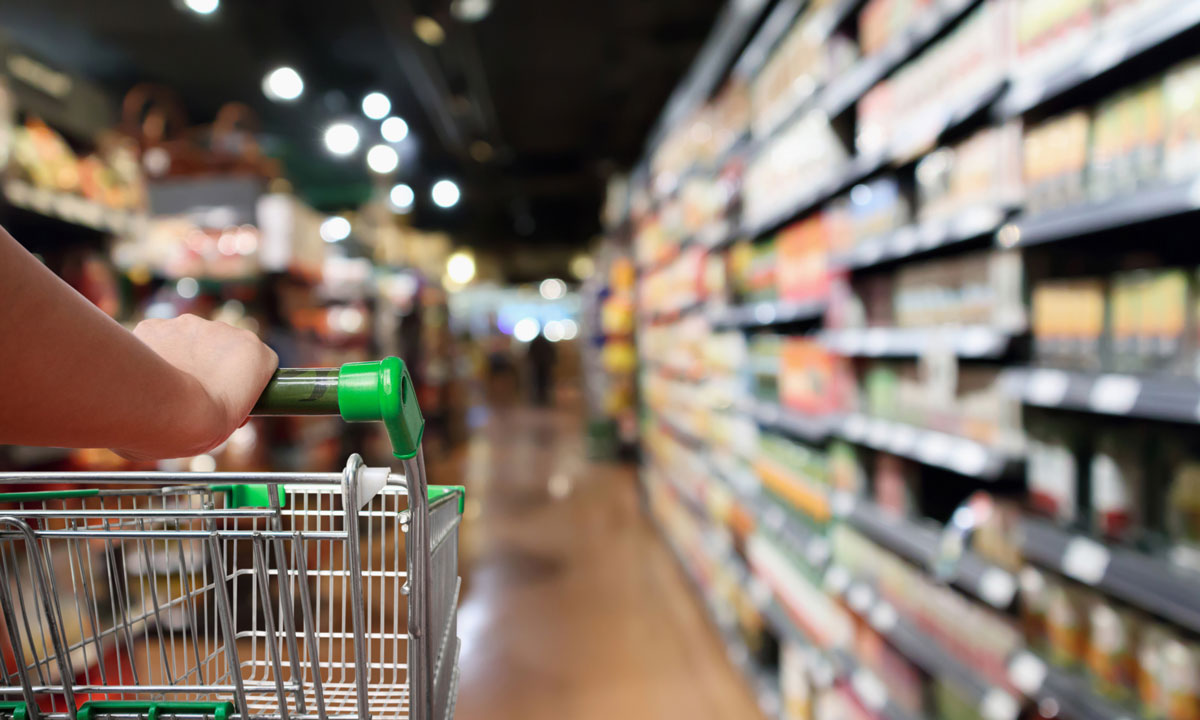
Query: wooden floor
[{"x": 573, "y": 608}]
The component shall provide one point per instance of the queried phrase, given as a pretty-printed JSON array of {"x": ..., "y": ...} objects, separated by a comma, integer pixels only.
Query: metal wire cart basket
[{"x": 296, "y": 596}]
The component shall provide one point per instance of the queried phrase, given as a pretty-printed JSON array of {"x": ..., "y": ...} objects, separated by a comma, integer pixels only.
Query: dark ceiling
[{"x": 564, "y": 91}]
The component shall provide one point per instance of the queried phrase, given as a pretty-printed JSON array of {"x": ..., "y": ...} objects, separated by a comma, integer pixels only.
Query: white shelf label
[
  {"x": 933, "y": 448},
  {"x": 869, "y": 689},
  {"x": 968, "y": 457},
  {"x": 855, "y": 428},
  {"x": 977, "y": 341},
  {"x": 837, "y": 579},
  {"x": 1085, "y": 560},
  {"x": 883, "y": 617},
  {"x": 876, "y": 342},
  {"x": 904, "y": 242},
  {"x": 1047, "y": 387},
  {"x": 760, "y": 593},
  {"x": 1114, "y": 394},
  {"x": 860, "y": 598},
  {"x": 1027, "y": 672},
  {"x": 998, "y": 705},
  {"x": 842, "y": 504},
  {"x": 817, "y": 552},
  {"x": 997, "y": 587}
]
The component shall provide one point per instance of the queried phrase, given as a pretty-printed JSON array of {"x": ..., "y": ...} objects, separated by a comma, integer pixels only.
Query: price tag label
[
  {"x": 869, "y": 689},
  {"x": 933, "y": 234},
  {"x": 837, "y": 579},
  {"x": 1085, "y": 560},
  {"x": 997, "y": 587},
  {"x": 879, "y": 434},
  {"x": 968, "y": 457},
  {"x": 1047, "y": 388},
  {"x": 875, "y": 342},
  {"x": 860, "y": 598},
  {"x": 1114, "y": 394},
  {"x": 817, "y": 552},
  {"x": 978, "y": 341},
  {"x": 760, "y": 593},
  {"x": 883, "y": 617},
  {"x": 842, "y": 504},
  {"x": 904, "y": 439},
  {"x": 855, "y": 428},
  {"x": 998, "y": 705},
  {"x": 1106, "y": 54},
  {"x": 1027, "y": 672},
  {"x": 933, "y": 448}
]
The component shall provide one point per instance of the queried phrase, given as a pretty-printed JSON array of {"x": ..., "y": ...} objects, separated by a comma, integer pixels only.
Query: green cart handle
[{"x": 360, "y": 392}]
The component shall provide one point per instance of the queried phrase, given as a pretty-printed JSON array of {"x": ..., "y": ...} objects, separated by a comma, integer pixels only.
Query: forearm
[{"x": 75, "y": 377}]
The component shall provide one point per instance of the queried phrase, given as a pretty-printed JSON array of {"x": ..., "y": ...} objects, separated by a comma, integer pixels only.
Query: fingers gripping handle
[{"x": 360, "y": 392}]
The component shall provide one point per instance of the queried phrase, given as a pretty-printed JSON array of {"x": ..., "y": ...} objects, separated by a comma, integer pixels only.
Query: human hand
[{"x": 223, "y": 370}]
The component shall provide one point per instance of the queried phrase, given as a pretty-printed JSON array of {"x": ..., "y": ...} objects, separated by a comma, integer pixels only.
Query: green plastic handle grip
[
  {"x": 378, "y": 391},
  {"x": 89, "y": 710}
]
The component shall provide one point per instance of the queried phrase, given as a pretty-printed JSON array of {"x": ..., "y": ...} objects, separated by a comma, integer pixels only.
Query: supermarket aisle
[{"x": 573, "y": 607}]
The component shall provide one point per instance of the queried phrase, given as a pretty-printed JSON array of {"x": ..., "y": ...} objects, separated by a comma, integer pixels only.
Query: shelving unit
[
  {"x": 797, "y": 508},
  {"x": 1164, "y": 398}
]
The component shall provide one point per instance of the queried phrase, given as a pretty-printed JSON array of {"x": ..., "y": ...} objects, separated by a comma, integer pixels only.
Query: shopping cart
[{"x": 289, "y": 596}]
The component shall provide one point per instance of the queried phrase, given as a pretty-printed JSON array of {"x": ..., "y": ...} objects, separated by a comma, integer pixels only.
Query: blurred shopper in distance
[
  {"x": 501, "y": 371},
  {"x": 76, "y": 378},
  {"x": 541, "y": 356}
]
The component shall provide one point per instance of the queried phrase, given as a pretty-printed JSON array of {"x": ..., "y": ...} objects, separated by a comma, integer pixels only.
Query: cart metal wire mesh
[{"x": 289, "y": 596}]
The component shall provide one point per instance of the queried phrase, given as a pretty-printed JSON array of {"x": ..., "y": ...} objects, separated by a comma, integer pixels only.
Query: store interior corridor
[{"x": 572, "y": 605}]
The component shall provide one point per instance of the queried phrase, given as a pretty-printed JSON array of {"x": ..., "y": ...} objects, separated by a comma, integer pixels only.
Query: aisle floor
[{"x": 573, "y": 606}]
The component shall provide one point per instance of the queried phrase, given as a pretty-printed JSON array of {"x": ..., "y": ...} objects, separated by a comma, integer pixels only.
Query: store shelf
[
  {"x": 810, "y": 428},
  {"x": 965, "y": 341},
  {"x": 926, "y": 653},
  {"x": 1117, "y": 212},
  {"x": 68, "y": 208},
  {"x": 807, "y": 198},
  {"x": 1052, "y": 687},
  {"x": 767, "y": 313},
  {"x": 1171, "y": 399},
  {"x": 843, "y": 93},
  {"x": 929, "y": 447},
  {"x": 921, "y": 544},
  {"x": 836, "y": 666},
  {"x": 916, "y": 239},
  {"x": 1145, "y": 582},
  {"x": 1111, "y": 47}
]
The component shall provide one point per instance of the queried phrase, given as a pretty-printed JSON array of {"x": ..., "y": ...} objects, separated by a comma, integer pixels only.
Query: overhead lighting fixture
[
  {"x": 394, "y": 129},
  {"x": 570, "y": 329},
  {"x": 382, "y": 159},
  {"x": 429, "y": 31},
  {"x": 526, "y": 329},
  {"x": 402, "y": 197},
  {"x": 481, "y": 151},
  {"x": 283, "y": 84},
  {"x": 341, "y": 138},
  {"x": 445, "y": 193},
  {"x": 552, "y": 288},
  {"x": 461, "y": 269},
  {"x": 376, "y": 105},
  {"x": 335, "y": 228},
  {"x": 554, "y": 331},
  {"x": 202, "y": 7},
  {"x": 470, "y": 10}
]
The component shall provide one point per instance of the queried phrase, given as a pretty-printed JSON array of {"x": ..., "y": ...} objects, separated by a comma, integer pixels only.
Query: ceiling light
[
  {"x": 335, "y": 229},
  {"x": 429, "y": 31},
  {"x": 552, "y": 288},
  {"x": 376, "y": 105},
  {"x": 461, "y": 269},
  {"x": 570, "y": 329},
  {"x": 382, "y": 159},
  {"x": 283, "y": 84},
  {"x": 553, "y": 331},
  {"x": 402, "y": 196},
  {"x": 445, "y": 193},
  {"x": 341, "y": 138},
  {"x": 470, "y": 10},
  {"x": 526, "y": 329},
  {"x": 394, "y": 129},
  {"x": 582, "y": 266},
  {"x": 202, "y": 7}
]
